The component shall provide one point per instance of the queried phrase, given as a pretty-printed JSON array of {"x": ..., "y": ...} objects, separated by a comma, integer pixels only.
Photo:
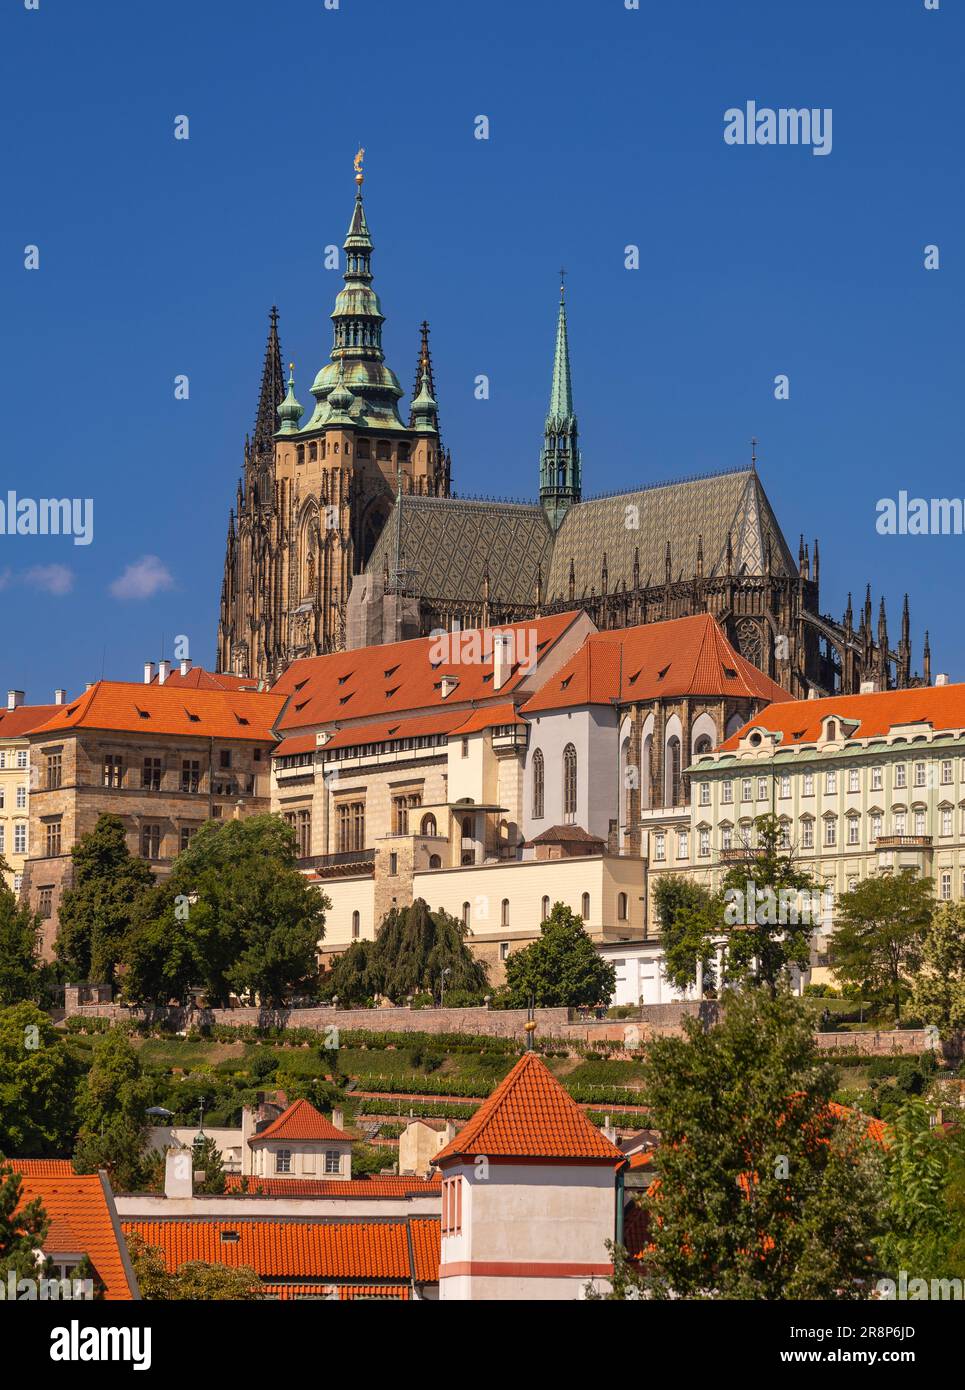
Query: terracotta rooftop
[
  {"x": 200, "y": 679},
  {"x": 531, "y": 1116},
  {"x": 384, "y": 730},
  {"x": 489, "y": 717},
  {"x": 14, "y": 723},
  {"x": 567, "y": 835},
  {"x": 300, "y": 1121},
  {"x": 83, "y": 1221},
  {"x": 290, "y": 1248},
  {"x": 799, "y": 721},
  {"x": 42, "y": 1167},
  {"x": 684, "y": 656},
  {"x": 376, "y": 682},
  {"x": 378, "y": 1185},
  {"x": 127, "y": 707}
]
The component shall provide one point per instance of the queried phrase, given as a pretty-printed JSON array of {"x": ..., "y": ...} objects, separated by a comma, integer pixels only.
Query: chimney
[
  {"x": 941, "y": 678},
  {"x": 812, "y": 693},
  {"x": 88, "y": 686},
  {"x": 338, "y": 1118},
  {"x": 163, "y": 671},
  {"x": 179, "y": 1173},
  {"x": 502, "y": 659},
  {"x": 868, "y": 688},
  {"x": 14, "y": 699},
  {"x": 148, "y": 672},
  {"x": 185, "y": 665},
  {"x": 60, "y": 697}
]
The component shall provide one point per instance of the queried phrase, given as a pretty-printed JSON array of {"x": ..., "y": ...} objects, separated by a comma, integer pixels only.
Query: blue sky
[{"x": 160, "y": 257}]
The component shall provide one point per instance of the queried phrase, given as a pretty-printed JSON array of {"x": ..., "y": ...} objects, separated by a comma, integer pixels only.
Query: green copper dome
[{"x": 290, "y": 411}]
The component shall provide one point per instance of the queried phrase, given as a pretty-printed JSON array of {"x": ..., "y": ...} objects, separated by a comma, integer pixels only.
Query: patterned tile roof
[
  {"x": 83, "y": 1220},
  {"x": 684, "y": 656},
  {"x": 799, "y": 721},
  {"x": 200, "y": 679},
  {"x": 376, "y": 683},
  {"x": 489, "y": 717},
  {"x": 710, "y": 508},
  {"x": 289, "y": 1248},
  {"x": 531, "y": 1116},
  {"x": 300, "y": 1121},
  {"x": 385, "y": 730},
  {"x": 447, "y": 543},
  {"x": 42, "y": 1167},
  {"x": 127, "y": 707}
]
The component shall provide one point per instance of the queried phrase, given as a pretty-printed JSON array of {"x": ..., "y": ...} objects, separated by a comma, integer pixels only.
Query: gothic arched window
[
  {"x": 569, "y": 783},
  {"x": 538, "y": 784},
  {"x": 673, "y": 771}
]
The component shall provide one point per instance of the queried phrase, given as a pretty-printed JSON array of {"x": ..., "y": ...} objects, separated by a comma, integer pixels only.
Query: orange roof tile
[
  {"x": 42, "y": 1167},
  {"x": 440, "y": 722},
  {"x": 126, "y": 707},
  {"x": 799, "y": 721},
  {"x": 377, "y": 682},
  {"x": 14, "y": 723},
  {"x": 531, "y": 1116},
  {"x": 684, "y": 656},
  {"x": 297, "y": 743},
  {"x": 378, "y": 1185},
  {"x": 300, "y": 1121},
  {"x": 489, "y": 717},
  {"x": 290, "y": 1292},
  {"x": 289, "y": 1248},
  {"x": 200, "y": 679},
  {"x": 83, "y": 1220}
]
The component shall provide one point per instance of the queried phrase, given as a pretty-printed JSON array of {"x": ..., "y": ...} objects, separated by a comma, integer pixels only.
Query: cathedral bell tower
[{"x": 560, "y": 469}]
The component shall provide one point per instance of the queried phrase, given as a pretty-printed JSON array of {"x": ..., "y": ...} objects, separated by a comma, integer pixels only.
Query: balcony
[
  {"x": 344, "y": 864},
  {"x": 903, "y": 842}
]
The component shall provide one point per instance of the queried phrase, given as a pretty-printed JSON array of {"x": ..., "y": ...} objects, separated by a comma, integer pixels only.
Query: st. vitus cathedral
[{"x": 345, "y": 532}]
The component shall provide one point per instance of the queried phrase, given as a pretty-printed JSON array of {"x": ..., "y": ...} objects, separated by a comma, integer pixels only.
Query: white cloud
[
  {"x": 142, "y": 579},
  {"x": 50, "y": 579}
]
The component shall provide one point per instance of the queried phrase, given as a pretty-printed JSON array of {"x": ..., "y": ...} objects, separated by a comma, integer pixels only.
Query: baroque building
[{"x": 346, "y": 534}]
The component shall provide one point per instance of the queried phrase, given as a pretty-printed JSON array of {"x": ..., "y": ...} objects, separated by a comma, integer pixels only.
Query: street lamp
[{"x": 442, "y": 985}]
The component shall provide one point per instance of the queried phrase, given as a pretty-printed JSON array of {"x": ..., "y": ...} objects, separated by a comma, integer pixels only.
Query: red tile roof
[
  {"x": 42, "y": 1167},
  {"x": 566, "y": 835},
  {"x": 300, "y": 1121},
  {"x": 289, "y": 1248},
  {"x": 440, "y": 722},
  {"x": 126, "y": 707},
  {"x": 489, "y": 717},
  {"x": 200, "y": 679},
  {"x": 684, "y": 656},
  {"x": 384, "y": 1185},
  {"x": 377, "y": 682},
  {"x": 531, "y": 1116},
  {"x": 297, "y": 743},
  {"x": 14, "y": 723},
  {"x": 289, "y": 1292},
  {"x": 83, "y": 1220},
  {"x": 799, "y": 721}
]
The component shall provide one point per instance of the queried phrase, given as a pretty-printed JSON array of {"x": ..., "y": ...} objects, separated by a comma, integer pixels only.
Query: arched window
[
  {"x": 585, "y": 906},
  {"x": 703, "y": 744},
  {"x": 435, "y": 862},
  {"x": 622, "y": 907},
  {"x": 465, "y": 914},
  {"x": 504, "y": 915},
  {"x": 673, "y": 771},
  {"x": 545, "y": 909},
  {"x": 569, "y": 784},
  {"x": 538, "y": 784},
  {"x": 429, "y": 825},
  {"x": 356, "y": 925}
]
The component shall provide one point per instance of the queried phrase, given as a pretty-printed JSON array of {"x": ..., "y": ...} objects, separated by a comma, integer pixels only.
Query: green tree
[
  {"x": 112, "y": 1112},
  {"x": 197, "y": 1281},
  {"x": 22, "y": 1231},
  {"x": 924, "y": 1209},
  {"x": 20, "y": 973},
  {"x": 411, "y": 950},
  {"x": 562, "y": 968},
  {"x": 207, "y": 1160},
  {"x": 37, "y": 1081},
  {"x": 234, "y": 915},
  {"x": 877, "y": 942},
  {"x": 96, "y": 912},
  {"x": 763, "y": 1194},
  {"x": 687, "y": 915},
  {"x": 938, "y": 990}
]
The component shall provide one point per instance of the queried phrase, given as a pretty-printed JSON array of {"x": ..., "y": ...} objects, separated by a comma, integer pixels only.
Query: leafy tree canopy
[
  {"x": 111, "y": 1109},
  {"x": 37, "y": 1079},
  {"x": 96, "y": 912},
  {"x": 938, "y": 991},
  {"x": 22, "y": 1232},
  {"x": 414, "y": 950},
  {"x": 20, "y": 973},
  {"x": 877, "y": 941},
  {"x": 562, "y": 968}
]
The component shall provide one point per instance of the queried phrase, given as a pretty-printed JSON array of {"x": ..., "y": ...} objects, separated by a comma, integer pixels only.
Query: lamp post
[{"x": 442, "y": 985}]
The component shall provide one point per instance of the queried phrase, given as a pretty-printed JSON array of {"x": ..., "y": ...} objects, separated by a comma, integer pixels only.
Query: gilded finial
[{"x": 359, "y": 176}]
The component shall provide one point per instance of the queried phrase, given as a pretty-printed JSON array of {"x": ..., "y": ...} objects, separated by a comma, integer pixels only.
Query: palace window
[
  {"x": 504, "y": 913},
  {"x": 363, "y": 450},
  {"x": 900, "y": 775},
  {"x": 151, "y": 775},
  {"x": 21, "y": 798},
  {"x": 726, "y": 837},
  {"x": 854, "y": 779},
  {"x": 401, "y": 806},
  {"x": 919, "y": 774},
  {"x": 20, "y": 838},
  {"x": 784, "y": 835},
  {"x": 383, "y": 450},
  {"x": 659, "y": 845},
  {"x": 54, "y": 771},
  {"x": 946, "y": 771},
  {"x": 22, "y": 757},
  {"x": 785, "y": 785},
  {"x": 585, "y": 906},
  {"x": 45, "y": 902},
  {"x": 186, "y": 835},
  {"x": 52, "y": 838},
  {"x": 683, "y": 844},
  {"x": 356, "y": 925},
  {"x": 333, "y": 1161},
  {"x": 569, "y": 784},
  {"x": 705, "y": 793},
  {"x": 703, "y": 843},
  {"x": 945, "y": 892},
  {"x": 538, "y": 784},
  {"x": 807, "y": 834},
  {"x": 622, "y": 907},
  {"x": 283, "y": 1161},
  {"x": 2, "y": 836},
  {"x": 877, "y": 779},
  {"x": 875, "y": 824},
  {"x": 466, "y": 914},
  {"x": 428, "y": 826},
  {"x": 150, "y": 842},
  {"x": 350, "y": 826},
  {"x": 727, "y": 792},
  {"x": 544, "y": 909},
  {"x": 830, "y": 783},
  {"x": 304, "y": 834},
  {"x": 854, "y": 829},
  {"x": 190, "y": 775},
  {"x": 113, "y": 769},
  {"x": 808, "y": 789},
  {"x": 901, "y": 824},
  {"x": 762, "y": 788},
  {"x": 746, "y": 789},
  {"x": 946, "y": 822}
]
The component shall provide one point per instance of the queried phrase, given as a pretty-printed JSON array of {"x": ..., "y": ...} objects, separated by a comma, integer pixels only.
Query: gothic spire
[
  {"x": 423, "y": 366},
  {"x": 559, "y": 473},
  {"x": 272, "y": 390}
]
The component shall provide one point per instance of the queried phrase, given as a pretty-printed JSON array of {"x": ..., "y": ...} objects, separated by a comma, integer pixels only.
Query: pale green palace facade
[{"x": 861, "y": 784}]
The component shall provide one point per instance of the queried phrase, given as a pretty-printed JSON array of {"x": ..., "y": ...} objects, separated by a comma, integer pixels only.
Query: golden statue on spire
[{"x": 359, "y": 176}]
